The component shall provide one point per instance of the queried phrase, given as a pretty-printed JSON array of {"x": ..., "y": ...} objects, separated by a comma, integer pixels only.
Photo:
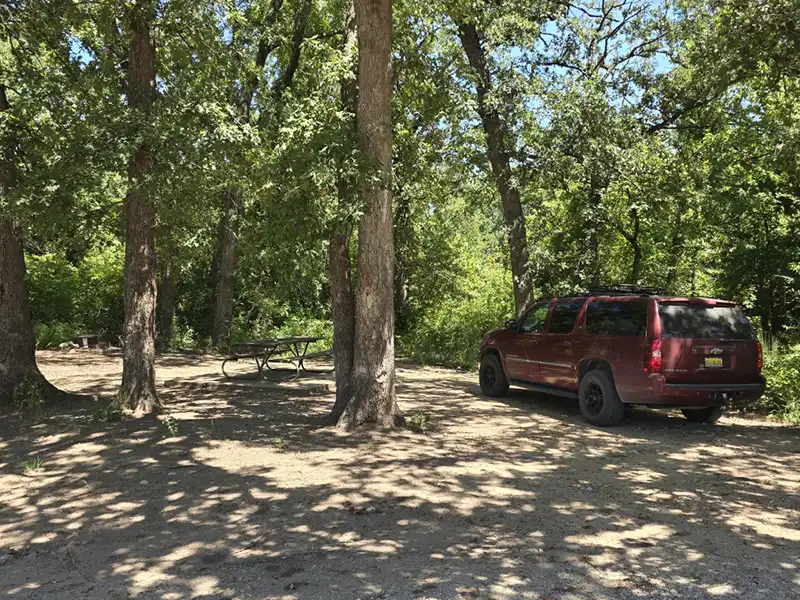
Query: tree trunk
[
  {"x": 138, "y": 390},
  {"x": 499, "y": 157},
  {"x": 637, "y": 247},
  {"x": 373, "y": 401},
  {"x": 594, "y": 229},
  {"x": 676, "y": 245},
  {"x": 342, "y": 300},
  {"x": 225, "y": 268},
  {"x": 166, "y": 291}
]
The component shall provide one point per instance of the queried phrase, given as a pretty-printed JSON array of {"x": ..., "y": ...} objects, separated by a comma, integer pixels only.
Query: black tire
[
  {"x": 598, "y": 399},
  {"x": 710, "y": 414},
  {"x": 492, "y": 377}
]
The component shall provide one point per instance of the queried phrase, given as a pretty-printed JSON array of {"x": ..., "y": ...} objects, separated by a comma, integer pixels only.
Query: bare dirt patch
[{"x": 246, "y": 496}]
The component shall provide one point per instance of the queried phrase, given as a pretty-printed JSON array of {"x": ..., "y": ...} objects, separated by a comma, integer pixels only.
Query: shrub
[
  {"x": 450, "y": 333},
  {"x": 782, "y": 398},
  {"x": 53, "y": 334},
  {"x": 52, "y": 282},
  {"x": 66, "y": 300}
]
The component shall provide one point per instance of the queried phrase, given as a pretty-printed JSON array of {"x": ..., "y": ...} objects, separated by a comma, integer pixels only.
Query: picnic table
[{"x": 283, "y": 351}]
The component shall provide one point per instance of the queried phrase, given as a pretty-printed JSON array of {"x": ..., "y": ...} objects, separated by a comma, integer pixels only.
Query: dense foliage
[{"x": 651, "y": 142}]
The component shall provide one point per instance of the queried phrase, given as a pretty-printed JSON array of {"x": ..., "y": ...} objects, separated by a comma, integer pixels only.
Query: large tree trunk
[
  {"x": 138, "y": 390},
  {"x": 342, "y": 300},
  {"x": 499, "y": 157},
  {"x": 373, "y": 401},
  {"x": 225, "y": 268}
]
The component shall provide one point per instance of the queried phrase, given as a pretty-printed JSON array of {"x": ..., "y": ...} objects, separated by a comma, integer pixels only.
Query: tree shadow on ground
[{"x": 243, "y": 495}]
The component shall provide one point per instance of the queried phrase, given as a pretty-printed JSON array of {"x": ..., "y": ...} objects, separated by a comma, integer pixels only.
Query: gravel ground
[{"x": 243, "y": 495}]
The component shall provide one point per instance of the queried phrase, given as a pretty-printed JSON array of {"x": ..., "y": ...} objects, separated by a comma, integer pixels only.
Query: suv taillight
[
  {"x": 653, "y": 358},
  {"x": 760, "y": 357}
]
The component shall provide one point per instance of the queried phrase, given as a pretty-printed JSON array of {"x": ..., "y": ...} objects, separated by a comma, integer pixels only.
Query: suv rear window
[
  {"x": 704, "y": 322},
  {"x": 617, "y": 318}
]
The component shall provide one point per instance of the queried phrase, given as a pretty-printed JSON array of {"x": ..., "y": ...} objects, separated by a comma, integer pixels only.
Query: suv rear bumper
[{"x": 690, "y": 395}]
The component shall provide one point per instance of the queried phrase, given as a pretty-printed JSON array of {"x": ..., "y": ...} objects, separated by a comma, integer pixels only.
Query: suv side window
[
  {"x": 625, "y": 319},
  {"x": 534, "y": 320},
  {"x": 564, "y": 315}
]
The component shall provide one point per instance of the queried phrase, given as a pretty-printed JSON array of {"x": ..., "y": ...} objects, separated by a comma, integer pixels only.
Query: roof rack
[{"x": 624, "y": 289}]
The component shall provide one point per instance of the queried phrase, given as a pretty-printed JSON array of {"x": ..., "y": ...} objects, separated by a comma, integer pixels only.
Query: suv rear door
[{"x": 707, "y": 342}]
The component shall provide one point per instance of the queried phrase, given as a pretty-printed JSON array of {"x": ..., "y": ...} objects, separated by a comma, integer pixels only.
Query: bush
[
  {"x": 782, "y": 398},
  {"x": 52, "y": 283},
  {"x": 450, "y": 333},
  {"x": 53, "y": 334},
  {"x": 67, "y": 300}
]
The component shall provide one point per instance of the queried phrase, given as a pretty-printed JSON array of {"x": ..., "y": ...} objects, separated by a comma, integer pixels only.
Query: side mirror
[{"x": 511, "y": 324}]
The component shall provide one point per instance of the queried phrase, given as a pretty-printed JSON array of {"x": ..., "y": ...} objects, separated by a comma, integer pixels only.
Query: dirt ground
[{"x": 244, "y": 495}]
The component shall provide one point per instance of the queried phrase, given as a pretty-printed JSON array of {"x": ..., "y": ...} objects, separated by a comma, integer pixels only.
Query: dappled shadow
[{"x": 244, "y": 495}]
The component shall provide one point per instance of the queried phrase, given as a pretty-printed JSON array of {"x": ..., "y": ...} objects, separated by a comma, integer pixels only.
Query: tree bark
[
  {"x": 138, "y": 390},
  {"x": 225, "y": 268},
  {"x": 342, "y": 300},
  {"x": 373, "y": 401},
  {"x": 499, "y": 157}
]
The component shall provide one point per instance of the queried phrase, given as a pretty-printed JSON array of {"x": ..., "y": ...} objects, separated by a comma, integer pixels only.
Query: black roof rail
[{"x": 624, "y": 289}]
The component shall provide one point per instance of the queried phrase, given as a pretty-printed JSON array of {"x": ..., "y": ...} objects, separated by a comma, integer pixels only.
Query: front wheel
[
  {"x": 703, "y": 415},
  {"x": 492, "y": 377},
  {"x": 598, "y": 399}
]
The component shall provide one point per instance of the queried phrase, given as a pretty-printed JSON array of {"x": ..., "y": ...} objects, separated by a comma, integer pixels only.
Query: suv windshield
[{"x": 704, "y": 322}]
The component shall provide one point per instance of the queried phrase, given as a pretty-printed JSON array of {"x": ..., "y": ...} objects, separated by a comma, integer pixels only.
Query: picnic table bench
[
  {"x": 86, "y": 340},
  {"x": 283, "y": 351}
]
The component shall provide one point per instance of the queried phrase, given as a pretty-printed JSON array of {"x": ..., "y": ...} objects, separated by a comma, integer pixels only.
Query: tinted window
[
  {"x": 706, "y": 322},
  {"x": 617, "y": 318},
  {"x": 534, "y": 320},
  {"x": 564, "y": 315}
]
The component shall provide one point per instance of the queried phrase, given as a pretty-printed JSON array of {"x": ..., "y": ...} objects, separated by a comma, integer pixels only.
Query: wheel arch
[{"x": 592, "y": 364}]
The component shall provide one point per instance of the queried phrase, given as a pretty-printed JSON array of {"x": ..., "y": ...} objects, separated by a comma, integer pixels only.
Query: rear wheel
[
  {"x": 711, "y": 414},
  {"x": 598, "y": 399},
  {"x": 492, "y": 377}
]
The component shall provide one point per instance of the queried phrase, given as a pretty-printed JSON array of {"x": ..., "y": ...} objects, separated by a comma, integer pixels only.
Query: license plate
[{"x": 714, "y": 362}]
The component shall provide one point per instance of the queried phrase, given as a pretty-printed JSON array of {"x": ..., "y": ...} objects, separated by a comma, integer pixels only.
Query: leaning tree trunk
[
  {"x": 499, "y": 157},
  {"x": 373, "y": 401},
  {"x": 225, "y": 268},
  {"x": 342, "y": 300},
  {"x": 138, "y": 389}
]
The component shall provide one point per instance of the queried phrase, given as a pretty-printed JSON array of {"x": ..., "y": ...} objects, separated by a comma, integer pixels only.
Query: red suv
[{"x": 626, "y": 345}]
